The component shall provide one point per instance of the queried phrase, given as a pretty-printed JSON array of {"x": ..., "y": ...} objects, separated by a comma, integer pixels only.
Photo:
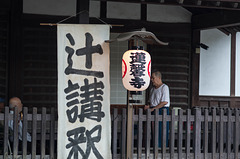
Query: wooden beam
[
  {"x": 189, "y": 3},
  {"x": 233, "y": 64},
  {"x": 195, "y": 70},
  {"x": 144, "y": 12},
  {"x": 82, "y": 11},
  {"x": 103, "y": 9},
  {"x": 216, "y": 20},
  {"x": 224, "y": 31},
  {"x": 15, "y": 56}
]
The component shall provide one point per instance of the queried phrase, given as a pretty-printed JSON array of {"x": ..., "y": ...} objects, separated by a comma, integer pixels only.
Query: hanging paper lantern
[{"x": 136, "y": 70}]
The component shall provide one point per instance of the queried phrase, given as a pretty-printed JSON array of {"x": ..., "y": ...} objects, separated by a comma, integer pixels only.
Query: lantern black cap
[
  {"x": 137, "y": 47},
  {"x": 145, "y": 36}
]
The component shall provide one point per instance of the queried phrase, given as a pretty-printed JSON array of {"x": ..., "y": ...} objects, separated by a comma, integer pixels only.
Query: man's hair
[{"x": 157, "y": 73}]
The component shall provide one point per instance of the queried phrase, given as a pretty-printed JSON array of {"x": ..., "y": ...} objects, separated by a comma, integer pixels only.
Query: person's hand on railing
[{"x": 146, "y": 107}]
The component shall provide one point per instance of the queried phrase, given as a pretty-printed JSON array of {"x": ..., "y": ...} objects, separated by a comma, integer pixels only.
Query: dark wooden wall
[
  {"x": 36, "y": 66},
  {"x": 4, "y": 49},
  {"x": 174, "y": 61},
  {"x": 218, "y": 101},
  {"x": 39, "y": 65},
  {"x": 28, "y": 55}
]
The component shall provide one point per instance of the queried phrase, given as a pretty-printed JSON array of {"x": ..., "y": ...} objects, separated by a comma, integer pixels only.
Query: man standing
[{"x": 159, "y": 99}]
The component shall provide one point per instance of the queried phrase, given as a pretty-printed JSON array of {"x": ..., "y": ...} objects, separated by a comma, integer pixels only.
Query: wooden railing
[
  {"x": 42, "y": 128},
  {"x": 196, "y": 133}
]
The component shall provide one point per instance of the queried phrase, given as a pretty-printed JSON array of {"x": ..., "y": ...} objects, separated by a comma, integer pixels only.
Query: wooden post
[
  {"x": 197, "y": 134},
  {"x": 195, "y": 70},
  {"x": 43, "y": 132},
  {"x": 229, "y": 132},
  {"x": 83, "y": 10},
  {"x": 206, "y": 133},
  {"x": 140, "y": 134},
  {"x": 115, "y": 125},
  {"x": 123, "y": 142},
  {"x": 15, "y": 56},
  {"x": 188, "y": 134},
  {"x": 129, "y": 117},
  {"x": 233, "y": 69},
  {"x": 52, "y": 133},
  {"x": 214, "y": 130},
  {"x": 236, "y": 130},
  {"x": 129, "y": 127},
  {"x": 24, "y": 133},
  {"x": 172, "y": 134},
  {"x": 34, "y": 132},
  {"x": 6, "y": 141}
]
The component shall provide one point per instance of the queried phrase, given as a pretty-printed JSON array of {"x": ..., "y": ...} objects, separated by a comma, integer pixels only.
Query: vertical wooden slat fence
[
  {"x": 221, "y": 135},
  {"x": 188, "y": 134},
  {"x": 25, "y": 125},
  {"x": 148, "y": 135},
  {"x": 140, "y": 134},
  {"x": 172, "y": 134},
  {"x": 43, "y": 133},
  {"x": 42, "y": 129},
  {"x": 15, "y": 133},
  {"x": 34, "y": 132},
  {"x": 5, "y": 137},
  {"x": 236, "y": 134},
  {"x": 193, "y": 133},
  {"x": 123, "y": 137},
  {"x": 196, "y": 133},
  {"x": 156, "y": 131},
  {"x": 52, "y": 134}
]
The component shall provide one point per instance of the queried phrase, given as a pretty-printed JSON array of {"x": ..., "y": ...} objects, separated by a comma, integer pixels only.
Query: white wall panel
[
  {"x": 123, "y": 10},
  {"x": 237, "y": 89},
  {"x": 58, "y": 7},
  {"x": 169, "y": 14},
  {"x": 215, "y": 64}
]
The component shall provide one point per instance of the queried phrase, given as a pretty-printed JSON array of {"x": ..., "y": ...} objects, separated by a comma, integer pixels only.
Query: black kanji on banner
[
  {"x": 88, "y": 51},
  {"x": 72, "y": 97},
  {"x": 137, "y": 68},
  {"x": 90, "y": 104},
  {"x": 76, "y": 137}
]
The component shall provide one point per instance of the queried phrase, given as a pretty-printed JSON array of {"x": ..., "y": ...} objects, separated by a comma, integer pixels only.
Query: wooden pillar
[
  {"x": 233, "y": 63},
  {"x": 82, "y": 11},
  {"x": 103, "y": 9},
  {"x": 144, "y": 12},
  {"x": 129, "y": 117},
  {"x": 233, "y": 69},
  {"x": 195, "y": 69},
  {"x": 15, "y": 58},
  {"x": 129, "y": 127}
]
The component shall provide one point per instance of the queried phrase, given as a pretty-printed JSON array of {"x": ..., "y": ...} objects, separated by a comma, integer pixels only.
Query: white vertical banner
[{"x": 84, "y": 123}]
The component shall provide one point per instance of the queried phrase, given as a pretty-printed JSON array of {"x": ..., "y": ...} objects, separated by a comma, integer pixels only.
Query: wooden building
[{"x": 28, "y": 50}]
